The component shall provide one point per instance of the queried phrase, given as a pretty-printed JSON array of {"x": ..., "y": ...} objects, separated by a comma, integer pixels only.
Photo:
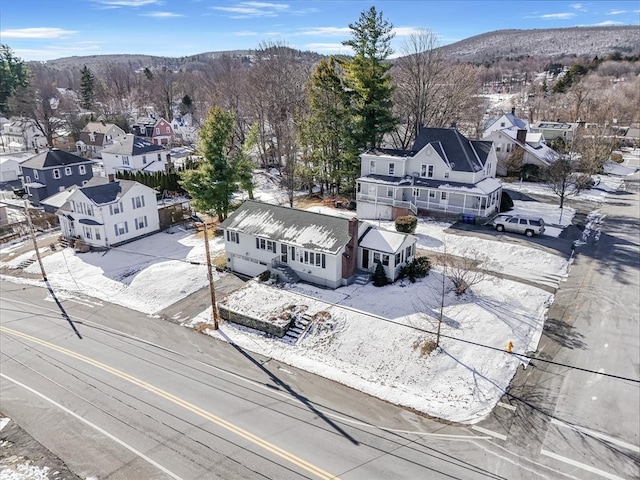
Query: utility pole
[
  {"x": 33, "y": 239},
  {"x": 214, "y": 306}
]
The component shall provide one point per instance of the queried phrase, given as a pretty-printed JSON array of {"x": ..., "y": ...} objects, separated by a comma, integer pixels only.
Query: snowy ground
[{"x": 369, "y": 337}]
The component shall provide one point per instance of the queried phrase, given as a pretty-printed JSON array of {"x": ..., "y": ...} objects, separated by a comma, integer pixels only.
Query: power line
[{"x": 516, "y": 354}]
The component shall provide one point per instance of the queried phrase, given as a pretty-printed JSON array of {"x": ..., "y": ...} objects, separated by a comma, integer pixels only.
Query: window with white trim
[
  {"x": 443, "y": 195},
  {"x": 121, "y": 228},
  {"x": 432, "y": 194},
  {"x": 137, "y": 202},
  {"x": 140, "y": 222},
  {"x": 27, "y": 179},
  {"x": 56, "y": 173},
  {"x": 159, "y": 157},
  {"x": 67, "y": 171},
  {"x": 372, "y": 166},
  {"x": 426, "y": 171},
  {"x": 35, "y": 174},
  {"x": 408, "y": 252},
  {"x": 116, "y": 208},
  {"x": 233, "y": 236},
  {"x": 416, "y": 192},
  {"x": 389, "y": 191},
  {"x": 376, "y": 257},
  {"x": 314, "y": 259},
  {"x": 268, "y": 245},
  {"x": 144, "y": 159},
  {"x": 97, "y": 234},
  {"x": 157, "y": 130},
  {"x": 446, "y": 174},
  {"x": 385, "y": 260},
  {"x": 392, "y": 168},
  {"x": 82, "y": 169},
  {"x": 87, "y": 232}
]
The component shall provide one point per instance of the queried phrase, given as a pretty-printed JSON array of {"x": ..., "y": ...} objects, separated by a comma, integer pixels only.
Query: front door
[
  {"x": 283, "y": 252},
  {"x": 365, "y": 259}
]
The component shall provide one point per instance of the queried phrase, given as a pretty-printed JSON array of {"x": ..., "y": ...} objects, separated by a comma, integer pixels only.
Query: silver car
[{"x": 519, "y": 224}]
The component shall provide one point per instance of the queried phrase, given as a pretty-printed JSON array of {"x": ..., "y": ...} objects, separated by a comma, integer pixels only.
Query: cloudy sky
[{"x": 48, "y": 29}]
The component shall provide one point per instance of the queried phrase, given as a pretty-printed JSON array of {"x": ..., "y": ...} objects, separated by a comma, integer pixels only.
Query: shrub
[
  {"x": 426, "y": 346},
  {"x": 506, "y": 203},
  {"x": 380, "y": 277},
  {"x": 264, "y": 276},
  {"x": 406, "y": 224},
  {"x": 418, "y": 268}
]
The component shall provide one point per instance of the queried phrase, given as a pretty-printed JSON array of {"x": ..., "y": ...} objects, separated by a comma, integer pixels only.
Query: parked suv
[{"x": 519, "y": 224}]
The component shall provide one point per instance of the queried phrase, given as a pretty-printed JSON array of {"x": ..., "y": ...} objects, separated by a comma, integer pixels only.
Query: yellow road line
[{"x": 303, "y": 464}]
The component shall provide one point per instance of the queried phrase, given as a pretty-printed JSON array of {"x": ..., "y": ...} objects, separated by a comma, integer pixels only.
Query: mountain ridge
[{"x": 486, "y": 47}]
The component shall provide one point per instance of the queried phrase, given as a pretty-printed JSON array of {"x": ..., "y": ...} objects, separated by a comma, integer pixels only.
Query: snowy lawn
[{"x": 369, "y": 338}]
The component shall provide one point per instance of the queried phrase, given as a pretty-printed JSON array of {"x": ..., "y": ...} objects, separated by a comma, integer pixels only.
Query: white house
[
  {"x": 507, "y": 120},
  {"x": 97, "y": 135},
  {"x": 22, "y": 134},
  {"x": 320, "y": 249},
  {"x": 106, "y": 213},
  {"x": 10, "y": 165},
  {"x": 510, "y": 136},
  {"x": 134, "y": 154},
  {"x": 443, "y": 171}
]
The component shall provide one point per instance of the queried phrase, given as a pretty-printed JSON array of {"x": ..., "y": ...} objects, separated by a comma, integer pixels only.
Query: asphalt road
[
  {"x": 590, "y": 422},
  {"x": 181, "y": 405},
  {"x": 143, "y": 398}
]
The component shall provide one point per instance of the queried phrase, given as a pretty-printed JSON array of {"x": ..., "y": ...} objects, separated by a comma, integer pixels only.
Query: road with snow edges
[{"x": 177, "y": 405}]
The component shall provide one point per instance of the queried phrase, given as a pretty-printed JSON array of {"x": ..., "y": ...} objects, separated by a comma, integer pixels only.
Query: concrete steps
[{"x": 297, "y": 329}]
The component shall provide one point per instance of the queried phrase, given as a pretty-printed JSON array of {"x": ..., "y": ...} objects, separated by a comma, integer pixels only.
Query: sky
[{"x": 50, "y": 29}]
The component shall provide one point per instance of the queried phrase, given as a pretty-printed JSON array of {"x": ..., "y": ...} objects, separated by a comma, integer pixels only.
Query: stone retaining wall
[{"x": 275, "y": 329}]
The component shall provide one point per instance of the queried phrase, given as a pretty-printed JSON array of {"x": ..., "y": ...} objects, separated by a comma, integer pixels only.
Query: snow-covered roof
[
  {"x": 131, "y": 145},
  {"x": 301, "y": 228},
  {"x": 58, "y": 199},
  {"x": 384, "y": 240}
]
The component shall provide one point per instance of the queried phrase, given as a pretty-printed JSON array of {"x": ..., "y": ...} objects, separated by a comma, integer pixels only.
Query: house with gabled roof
[
  {"x": 513, "y": 140},
  {"x": 158, "y": 132},
  {"x": 108, "y": 212},
  {"x": 134, "y": 154},
  {"x": 320, "y": 249},
  {"x": 97, "y": 135},
  {"x": 506, "y": 120},
  {"x": 443, "y": 171},
  {"x": 52, "y": 171}
]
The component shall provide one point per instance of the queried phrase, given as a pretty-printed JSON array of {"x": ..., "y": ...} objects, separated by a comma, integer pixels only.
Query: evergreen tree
[
  {"x": 367, "y": 77},
  {"x": 13, "y": 74},
  {"x": 379, "y": 276},
  {"x": 216, "y": 178},
  {"x": 332, "y": 150},
  {"x": 87, "y": 88}
]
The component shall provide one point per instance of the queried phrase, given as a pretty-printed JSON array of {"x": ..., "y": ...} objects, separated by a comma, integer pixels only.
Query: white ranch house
[
  {"x": 300, "y": 245},
  {"x": 443, "y": 171},
  {"x": 107, "y": 213}
]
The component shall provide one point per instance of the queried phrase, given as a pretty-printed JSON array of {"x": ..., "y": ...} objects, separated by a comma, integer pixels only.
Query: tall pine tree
[
  {"x": 367, "y": 77},
  {"x": 216, "y": 178},
  {"x": 87, "y": 88}
]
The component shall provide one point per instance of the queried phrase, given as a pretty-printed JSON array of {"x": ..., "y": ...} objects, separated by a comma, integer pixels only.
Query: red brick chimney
[
  {"x": 350, "y": 255},
  {"x": 521, "y": 136}
]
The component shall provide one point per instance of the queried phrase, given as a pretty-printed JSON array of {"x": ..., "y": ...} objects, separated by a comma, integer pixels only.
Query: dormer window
[
  {"x": 372, "y": 166},
  {"x": 502, "y": 124},
  {"x": 392, "y": 168}
]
